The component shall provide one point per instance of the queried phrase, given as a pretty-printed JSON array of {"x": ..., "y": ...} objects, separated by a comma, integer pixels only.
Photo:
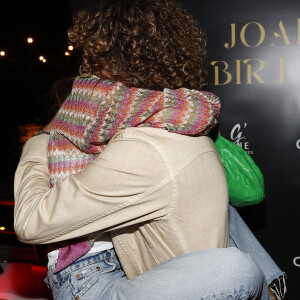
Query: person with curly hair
[
  {"x": 153, "y": 46},
  {"x": 128, "y": 188}
]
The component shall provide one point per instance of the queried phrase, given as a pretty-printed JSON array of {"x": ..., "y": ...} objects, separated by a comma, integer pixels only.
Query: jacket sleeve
[{"x": 119, "y": 188}]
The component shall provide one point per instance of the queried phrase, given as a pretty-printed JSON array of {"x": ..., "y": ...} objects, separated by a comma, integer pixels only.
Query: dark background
[
  {"x": 263, "y": 113},
  {"x": 268, "y": 113}
]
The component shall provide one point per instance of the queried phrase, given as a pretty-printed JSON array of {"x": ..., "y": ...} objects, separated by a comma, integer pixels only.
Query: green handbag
[{"x": 244, "y": 178}]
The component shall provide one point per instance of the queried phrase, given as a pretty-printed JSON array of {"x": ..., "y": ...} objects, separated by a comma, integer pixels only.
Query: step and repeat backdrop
[{"x": 254, "y": 67}]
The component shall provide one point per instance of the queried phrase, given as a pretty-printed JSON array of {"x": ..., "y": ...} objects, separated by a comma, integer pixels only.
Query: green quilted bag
[{"x": 244, "y": 178}]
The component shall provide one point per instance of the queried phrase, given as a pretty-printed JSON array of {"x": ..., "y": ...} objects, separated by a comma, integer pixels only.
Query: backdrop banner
[{"x": 254, "y": 67}]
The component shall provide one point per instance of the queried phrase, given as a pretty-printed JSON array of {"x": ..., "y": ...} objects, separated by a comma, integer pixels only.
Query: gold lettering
[
  {"x": 238, "y": 71},
  {"x": 262, "y": 33},
  {"x": 217, "y": 72},
  {"x": 283, "y": 34},
  {"x": 254, "y": 74},
  {"x": 226, "y": 45},
  {"x": 281, "y": 67}
]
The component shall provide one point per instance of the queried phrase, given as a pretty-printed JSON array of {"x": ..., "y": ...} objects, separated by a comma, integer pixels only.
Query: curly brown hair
[{"x": 151, "y": 44}]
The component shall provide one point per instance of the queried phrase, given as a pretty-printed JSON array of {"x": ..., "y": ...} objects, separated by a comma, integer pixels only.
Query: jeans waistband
[{"x": 88, "y": 259}]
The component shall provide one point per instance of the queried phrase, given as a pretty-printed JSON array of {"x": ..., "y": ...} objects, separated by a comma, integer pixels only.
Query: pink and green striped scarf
[{"x": 96, "y": 110}]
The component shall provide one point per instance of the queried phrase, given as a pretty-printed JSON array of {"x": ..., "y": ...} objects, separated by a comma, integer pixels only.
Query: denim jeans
[
  {"x": 242, "y": 238},
  {"x": 208, "y": 274},
  {"x": 224, "y": 273},
  {"x": 89, "y": 277}
]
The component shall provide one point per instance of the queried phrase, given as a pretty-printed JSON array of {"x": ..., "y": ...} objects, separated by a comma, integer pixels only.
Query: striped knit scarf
[{"x": 96, "y": 110}]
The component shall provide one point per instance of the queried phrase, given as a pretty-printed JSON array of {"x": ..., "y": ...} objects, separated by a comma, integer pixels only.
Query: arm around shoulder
[
  {"x": 114, "y": 190},
  {"x": 31, "y": 182}
]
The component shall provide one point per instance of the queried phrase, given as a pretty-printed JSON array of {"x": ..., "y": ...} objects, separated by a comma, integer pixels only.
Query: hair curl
[{"x": 151, "y": 44}]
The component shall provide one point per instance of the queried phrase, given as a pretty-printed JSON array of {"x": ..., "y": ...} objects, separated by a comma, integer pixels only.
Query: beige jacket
[{"x": 160, "y": 195}]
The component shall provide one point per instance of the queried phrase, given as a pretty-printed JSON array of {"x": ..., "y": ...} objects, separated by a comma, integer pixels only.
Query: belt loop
[{"x": 112, "y": 252}]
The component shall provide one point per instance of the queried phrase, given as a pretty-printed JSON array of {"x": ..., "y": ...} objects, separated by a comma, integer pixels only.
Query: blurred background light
[
  {"x": 2, "y": 53},
  {"x": 41, "y": 57},
  {"x": 70, "y": 47},
  {"x": 67, "y": 53},
  {"x": 29, "y": 40}
]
